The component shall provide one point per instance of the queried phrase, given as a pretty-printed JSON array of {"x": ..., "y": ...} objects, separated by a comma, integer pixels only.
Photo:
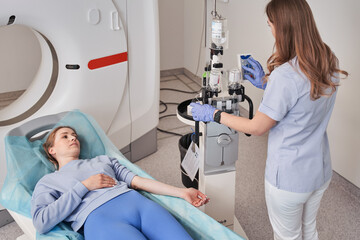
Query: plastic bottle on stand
[
  {"x": 215, "y": 80},
  {"x": 234, "y": 79}
]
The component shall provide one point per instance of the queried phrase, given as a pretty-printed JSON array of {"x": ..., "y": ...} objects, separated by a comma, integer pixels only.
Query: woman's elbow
[
  {"x": 40, "y": 225},
  {"x": 259, "y": 132},
  {"x": 41, "y": 228},
  {"x": 261, "y": 124}
]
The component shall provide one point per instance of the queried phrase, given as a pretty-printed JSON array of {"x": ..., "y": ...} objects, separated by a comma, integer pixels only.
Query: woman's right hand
[
  {"x": 195, "y": 197},
  {"x": 98, "y": 181}
]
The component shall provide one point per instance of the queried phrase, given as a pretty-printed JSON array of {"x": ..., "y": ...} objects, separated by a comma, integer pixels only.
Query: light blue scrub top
[{"x": 298, "y": 158}]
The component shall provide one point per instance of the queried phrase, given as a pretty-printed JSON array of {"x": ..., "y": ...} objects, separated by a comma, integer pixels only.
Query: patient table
[{"x": 27, "y": 163}]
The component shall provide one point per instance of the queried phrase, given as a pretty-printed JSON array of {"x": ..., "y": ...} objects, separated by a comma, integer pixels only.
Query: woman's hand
[
  {"x": 98, "y": 181},
  {"x": 195, "y": 197},
  {"x": 203, "y": 112},
  {"x": 257, "y": 73}
]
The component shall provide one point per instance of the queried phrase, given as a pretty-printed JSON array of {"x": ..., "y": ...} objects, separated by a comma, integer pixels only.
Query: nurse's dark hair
[
  {"x": 296, "y": 34},
  {"x": 50, "y": 143}
]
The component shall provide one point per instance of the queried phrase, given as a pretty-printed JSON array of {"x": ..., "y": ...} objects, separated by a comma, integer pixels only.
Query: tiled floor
[
  {"x": 178, "y": 82},
  {"x": 339, "y": 213}
]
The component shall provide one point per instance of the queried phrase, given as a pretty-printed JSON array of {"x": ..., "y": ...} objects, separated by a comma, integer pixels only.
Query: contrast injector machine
[
  {"x": 218, "y": 145},
  {"x": 215, "y": 78}
]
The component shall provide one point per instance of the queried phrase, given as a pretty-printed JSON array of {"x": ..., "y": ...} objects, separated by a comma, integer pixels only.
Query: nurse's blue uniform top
[{"x": 298, "y": 157}]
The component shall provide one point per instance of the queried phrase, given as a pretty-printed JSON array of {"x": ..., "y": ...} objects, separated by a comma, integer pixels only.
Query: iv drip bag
[{"x": 219, "y": 32}]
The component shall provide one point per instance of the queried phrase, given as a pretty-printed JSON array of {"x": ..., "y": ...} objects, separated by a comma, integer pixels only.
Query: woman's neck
[{"x": 65, "y": 160}]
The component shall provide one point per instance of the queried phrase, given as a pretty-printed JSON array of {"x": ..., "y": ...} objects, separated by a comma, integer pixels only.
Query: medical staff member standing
[{"x": 300, "y": 91}]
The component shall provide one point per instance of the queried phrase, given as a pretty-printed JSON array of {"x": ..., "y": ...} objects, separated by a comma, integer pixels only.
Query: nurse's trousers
[{"x": 293, "y": 215}]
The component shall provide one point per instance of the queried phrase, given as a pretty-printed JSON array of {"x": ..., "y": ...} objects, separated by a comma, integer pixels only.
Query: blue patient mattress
[{"x": 27, "y": 163}]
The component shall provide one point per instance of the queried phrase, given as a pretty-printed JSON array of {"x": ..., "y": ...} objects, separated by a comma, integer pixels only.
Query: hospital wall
[
  {"x": 249, "y": 33},
  {"x": 171, "y": 16}
]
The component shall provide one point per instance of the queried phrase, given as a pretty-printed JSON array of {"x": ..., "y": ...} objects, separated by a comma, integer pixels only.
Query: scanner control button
[{"x": 94, "y": 16}]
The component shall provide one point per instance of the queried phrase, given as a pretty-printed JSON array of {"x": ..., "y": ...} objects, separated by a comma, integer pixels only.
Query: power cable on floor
[
  {"x": 168, "y": 132},
  {"x": 170, "y": 115},
  {"x": 166, "y": 108},
  {"x": 165, "y": 105},
  {"x": 172, "y": 133},
  {"x": 177, "y": 90},
  {"x": 165, "y": 116},
  {"x": 162, "y": 103}
]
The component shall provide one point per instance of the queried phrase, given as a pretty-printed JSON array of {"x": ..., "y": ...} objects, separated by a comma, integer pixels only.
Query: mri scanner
[{"x": 97, "y": 56}]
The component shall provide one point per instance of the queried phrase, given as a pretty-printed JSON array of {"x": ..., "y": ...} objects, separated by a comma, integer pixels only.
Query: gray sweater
[{"x": 60, "y": 196}]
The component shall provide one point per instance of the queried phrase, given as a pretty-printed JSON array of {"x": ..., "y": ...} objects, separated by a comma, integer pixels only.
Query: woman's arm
[
  {"x": 260, "y": 124},
  {"x": 257, "y": 126},
  {"x": 191, "y": 195},
  {"x": 48, "y": 208}
]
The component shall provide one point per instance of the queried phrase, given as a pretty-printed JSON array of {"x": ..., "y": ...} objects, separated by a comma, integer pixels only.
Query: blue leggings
[{"x": 132, "y": 216}]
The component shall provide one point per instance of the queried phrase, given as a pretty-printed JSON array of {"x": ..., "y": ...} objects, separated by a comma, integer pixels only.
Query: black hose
[{"x": 251, "y": 110}]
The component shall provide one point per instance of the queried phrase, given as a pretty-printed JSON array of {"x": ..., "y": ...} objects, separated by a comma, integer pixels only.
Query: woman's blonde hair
[
  {"x": 50, "y": 143},
  {"x": 296, "y": 34}
]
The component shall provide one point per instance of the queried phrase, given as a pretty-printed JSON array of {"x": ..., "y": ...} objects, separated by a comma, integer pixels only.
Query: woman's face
[
  {"x": 66, "y": 144},
  {"x": 271, "y": 25}
]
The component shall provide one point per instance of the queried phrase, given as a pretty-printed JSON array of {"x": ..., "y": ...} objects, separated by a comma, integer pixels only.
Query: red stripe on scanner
[{"x": 107, "y": 61}]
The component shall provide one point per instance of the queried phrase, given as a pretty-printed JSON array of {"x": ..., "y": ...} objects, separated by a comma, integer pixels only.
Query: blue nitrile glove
[
  {"x": 257, "y": 72},
  {"x": 203, "y": 113}
]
